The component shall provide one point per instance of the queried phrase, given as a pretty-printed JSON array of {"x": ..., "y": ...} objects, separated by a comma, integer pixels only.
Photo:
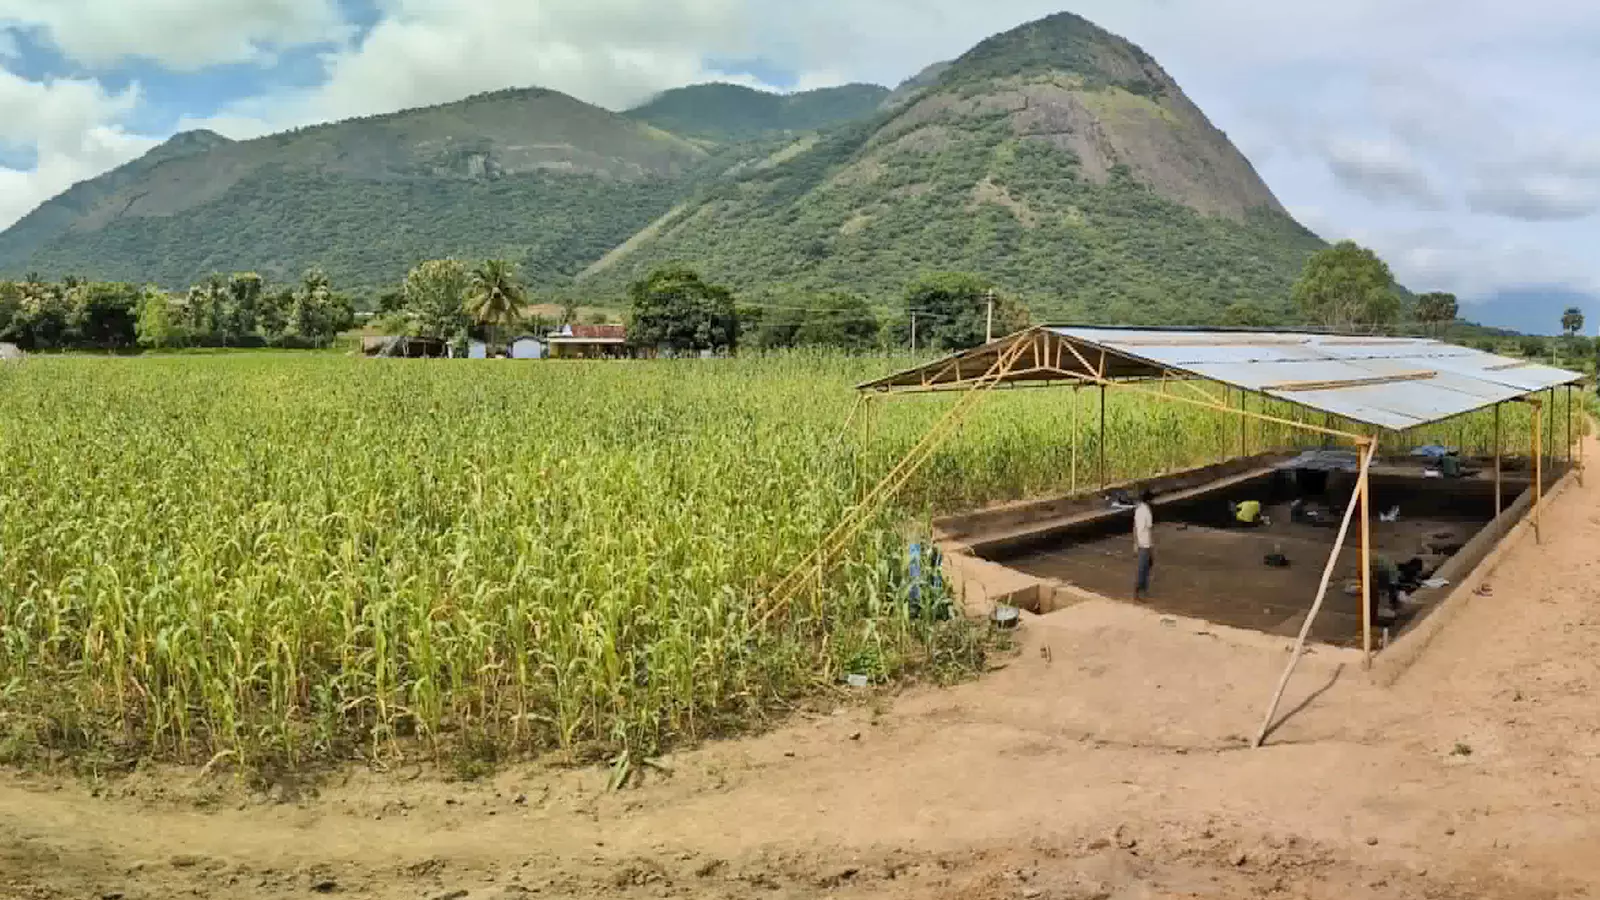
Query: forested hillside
[{"x": 1057, "y": 160}]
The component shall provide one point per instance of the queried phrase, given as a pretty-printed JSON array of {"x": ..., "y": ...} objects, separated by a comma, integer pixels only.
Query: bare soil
[
  {"x": 1208, "y": 569},
  {"x": 1107, "y": 760}
]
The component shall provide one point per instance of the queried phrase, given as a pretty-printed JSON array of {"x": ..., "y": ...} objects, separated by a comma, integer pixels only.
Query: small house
[
  {"x": 527, "y": 347},
  {"x": 590, "y": 342}
]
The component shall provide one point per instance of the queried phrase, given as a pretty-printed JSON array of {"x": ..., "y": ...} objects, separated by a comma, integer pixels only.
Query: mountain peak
[
  {"x": 186, "y": 143},
  {"x": 1061, "y": 43},
  {"x": 720, "y": 112}
]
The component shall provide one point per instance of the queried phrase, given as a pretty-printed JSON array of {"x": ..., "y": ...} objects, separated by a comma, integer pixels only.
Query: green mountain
[
  {"x": 1057, "y": 158},
  {"x": 532, "y": 175},
  {"x": 726, "y": 112}
]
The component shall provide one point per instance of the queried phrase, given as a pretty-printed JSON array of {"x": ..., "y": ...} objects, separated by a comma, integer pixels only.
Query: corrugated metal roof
[
  {"x": 1393, "y": 383},
  {"x": 1463, "y": 379}
]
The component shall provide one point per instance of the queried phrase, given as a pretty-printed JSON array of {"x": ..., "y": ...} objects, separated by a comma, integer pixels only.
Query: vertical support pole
[
  {"x": 1550, "y": 432},
  {"x": 1498, "y": 502},
  {"x": 1538, "y": 471},
  {"x": 913, "y": 331},
  {"x": 1365, "y": 487},
  {"x": 1102, "y": 436},
  {"x": 989, "y": 329},
  {"x": 1567, "y": 456},
  {"x": 1075, "y": 391},
  {"x": 1222, "y": 433},
  {"x": 1244, "y": 425}
]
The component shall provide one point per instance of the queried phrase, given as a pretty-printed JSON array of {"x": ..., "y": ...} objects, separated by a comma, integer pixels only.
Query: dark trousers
[{"x": 1147, "y": 562}]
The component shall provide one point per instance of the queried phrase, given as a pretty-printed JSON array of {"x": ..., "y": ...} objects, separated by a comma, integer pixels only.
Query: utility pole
[
  {"x": 913, "y": 331},
  {"x": 989, "y": 332}
]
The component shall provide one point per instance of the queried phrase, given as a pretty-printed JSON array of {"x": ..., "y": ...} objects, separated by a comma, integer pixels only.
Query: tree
[
  {"x": 41, "y": 320},
  {"x": 1572, "y": 321},
  {"x": 434, "y": 292},
  {"x": 1436, "y": 307},
  {"x": 204, "y": 310},
  {"x": 272, "y": 314},
  {"x": 10, "y": 310},
  {"x": 674, "y": 309},
  {"x": 1345, "y": 286},
  {"x": 952, "y": 310},
  {"x": 838, "y": 319},
  {"x": 495, "y": 296},
  {"x": 241, "y": 307},
  {"x": 1531, "y": 347},
  {"x": 1245, "y": 315},
  {"x": 158, "y": 323},
  {"x": 102, "y": 315},
  {"x": 317, "y": 314}
]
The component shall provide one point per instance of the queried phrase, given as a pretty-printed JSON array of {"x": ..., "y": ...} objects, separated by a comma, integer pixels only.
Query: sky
[{"x": 1458, "y": 138}]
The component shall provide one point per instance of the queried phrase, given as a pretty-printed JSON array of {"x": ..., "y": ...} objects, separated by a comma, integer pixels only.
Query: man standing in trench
[{"x": 1144, "y": 522}]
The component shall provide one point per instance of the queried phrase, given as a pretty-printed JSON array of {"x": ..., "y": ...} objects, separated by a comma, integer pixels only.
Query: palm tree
[
  {"x": 1572, "y": 321},
  {"x": 495, "y": 296}
]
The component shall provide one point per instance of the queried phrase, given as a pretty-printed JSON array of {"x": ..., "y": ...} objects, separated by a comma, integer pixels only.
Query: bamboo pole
[
  {"x": 1550, "y": 432},
  {"x": 1498, "y": 502},
  {"x": 891, "y": 484},
  {"x": 1244, "y": 424},
  {"x": 1075, "y": 392},
  {"x": 1316, "y": 607},
  {"x": 1567, "y": 457},
  {"x": 1366, "y": 566},
  {"x": 1538, "y": 471},
  {"x": 1102, "y": 436}
]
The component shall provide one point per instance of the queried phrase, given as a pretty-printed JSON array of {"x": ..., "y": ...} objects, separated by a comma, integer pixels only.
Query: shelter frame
[{"x": 1043, "y": 356}]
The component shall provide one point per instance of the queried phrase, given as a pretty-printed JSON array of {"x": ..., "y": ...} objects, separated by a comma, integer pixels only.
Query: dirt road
[{"x": 1107, "y": 760}]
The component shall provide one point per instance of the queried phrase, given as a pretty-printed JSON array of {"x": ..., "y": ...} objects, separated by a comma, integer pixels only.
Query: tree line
[
  {"x": 1344, "y": 286},
  {"x": 240, "y": 310}
]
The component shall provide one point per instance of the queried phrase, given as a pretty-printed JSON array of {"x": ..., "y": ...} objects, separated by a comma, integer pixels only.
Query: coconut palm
[{"x": 495, "y": 296}]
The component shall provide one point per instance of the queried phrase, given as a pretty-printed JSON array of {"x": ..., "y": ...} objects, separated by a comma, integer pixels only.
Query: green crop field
[{"x": 286, "y": 558}]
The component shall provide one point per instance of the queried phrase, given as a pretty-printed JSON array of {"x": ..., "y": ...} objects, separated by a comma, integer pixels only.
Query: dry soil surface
[{"x": 1108, "y": 759}]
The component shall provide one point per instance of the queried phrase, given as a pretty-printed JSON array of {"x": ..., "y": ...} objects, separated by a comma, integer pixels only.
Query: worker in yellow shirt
[{"x": 1248, "y": 514}]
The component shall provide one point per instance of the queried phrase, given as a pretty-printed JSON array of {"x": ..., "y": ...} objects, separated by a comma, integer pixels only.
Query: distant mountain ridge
[
  {"x": 729, "y": 112},
  {"x": 1056, "y": 158}
]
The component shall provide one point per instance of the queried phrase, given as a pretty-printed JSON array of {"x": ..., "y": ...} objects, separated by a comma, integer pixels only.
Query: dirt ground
[
  {"x": 1208, "y": 570},
  {"x": 1106, "y": 760}
]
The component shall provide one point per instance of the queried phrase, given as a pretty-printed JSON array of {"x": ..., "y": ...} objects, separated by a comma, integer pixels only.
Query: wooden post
[
  {"x": 1244, "y": 425},
  {"x": 1075, "y": 392},
  {"x": 1567, "y": 457},
  {"x": 1366, "y": 566},
  {"x": 1498, "y": 502},
  {"x": 1550, "y": 433},
  {"x": 1102, "y": 437},
  {"x": 1316, "y": 607},
  {"x": 1538, "y": 470},
  {"x": 913, "y": 331}
]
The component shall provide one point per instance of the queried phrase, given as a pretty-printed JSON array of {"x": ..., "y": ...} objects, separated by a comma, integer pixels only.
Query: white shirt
[{"x": 1143, "y": 521}]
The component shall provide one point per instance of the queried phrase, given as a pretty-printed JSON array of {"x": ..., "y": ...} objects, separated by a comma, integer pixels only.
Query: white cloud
[
  {"x": 611, "y": 52},
  {"x": 183, "y": 35},
  {"x": 72, "y": 125},
  {"x": 1383, "y": 171}
]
